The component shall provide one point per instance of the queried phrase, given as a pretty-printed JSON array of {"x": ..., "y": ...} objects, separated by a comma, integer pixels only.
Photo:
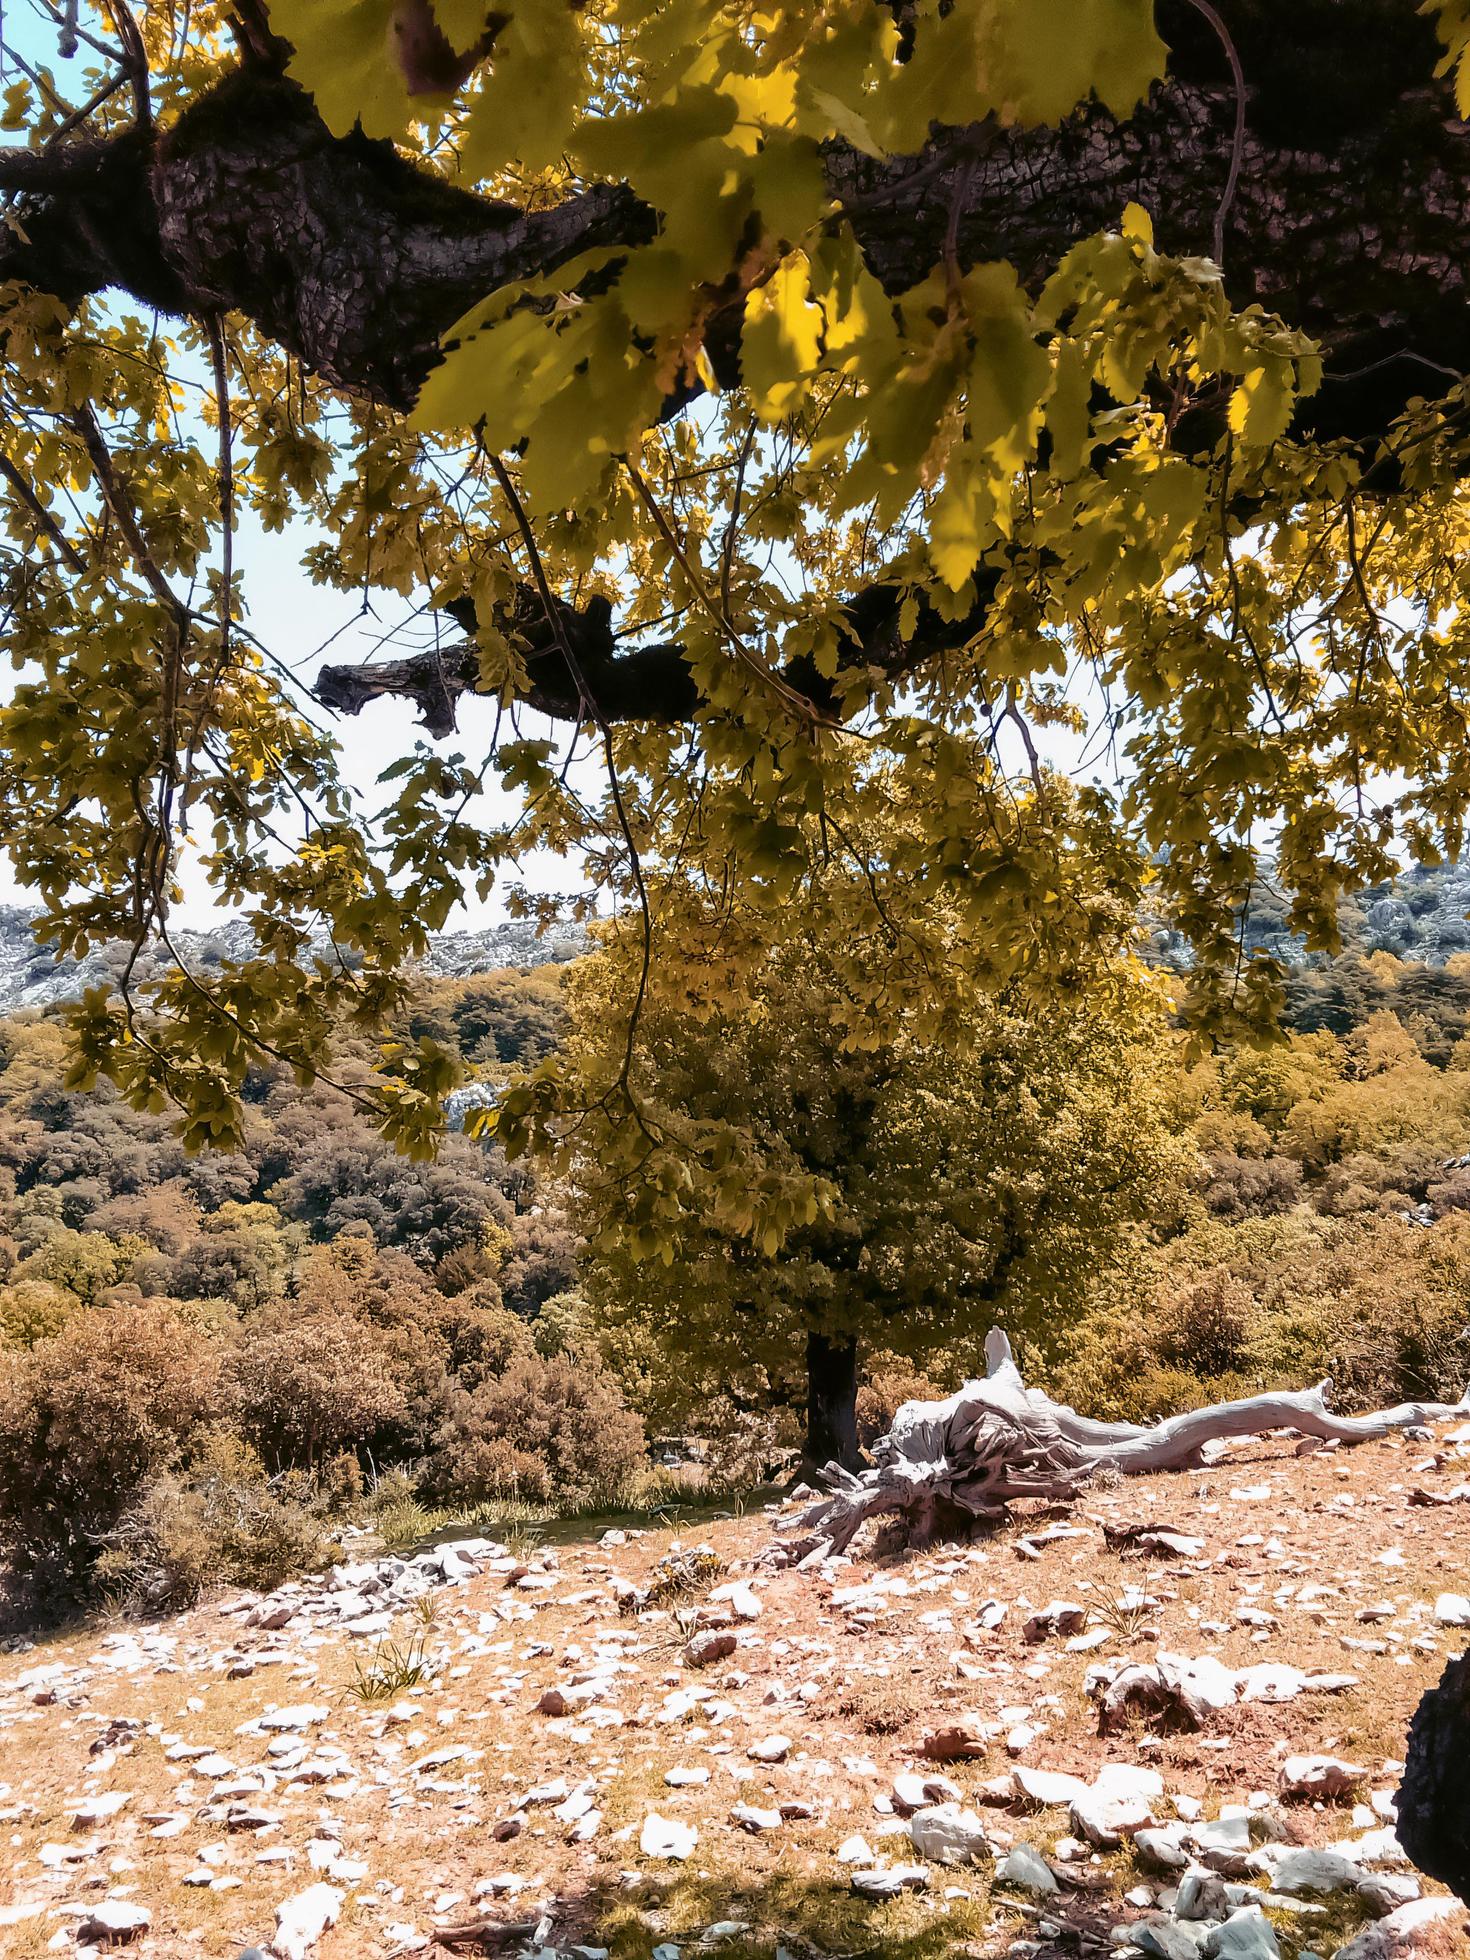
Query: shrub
[
  {"x": 32, "y": 1309},
  {"x": 222, "y": 1521},
  {"x": 86, "y": 1416},
  {"x": 1203, "y": 1326},
  {"x": 308, "y": 1385},
  {"x": 1237, "y": 1186},
  {"x": 547, "y": 1430}
]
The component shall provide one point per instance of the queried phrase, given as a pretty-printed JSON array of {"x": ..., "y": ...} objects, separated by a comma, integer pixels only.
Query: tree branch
[
  {"x": 651, "y": 682},
  {"x": 1341, "y": 201}
]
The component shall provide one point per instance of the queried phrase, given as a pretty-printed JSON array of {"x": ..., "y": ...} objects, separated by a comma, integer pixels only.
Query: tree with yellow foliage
[{"x": 771, "y": 403}]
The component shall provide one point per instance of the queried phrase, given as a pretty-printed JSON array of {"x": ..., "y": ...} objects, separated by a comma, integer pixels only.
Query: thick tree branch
[
  {"x": 641, "y": 683},
  {"x": 1348, "y": 216},
  {"x": 1349, "y": 211}
]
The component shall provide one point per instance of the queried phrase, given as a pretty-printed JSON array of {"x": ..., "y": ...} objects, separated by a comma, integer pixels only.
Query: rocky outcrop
[{"x": 31, "y": 976}]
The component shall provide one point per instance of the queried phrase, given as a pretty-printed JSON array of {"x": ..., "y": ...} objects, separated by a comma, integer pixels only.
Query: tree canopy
[
  {"x": 935, "y": 1195},
  {"x": 804, "y": 412}
]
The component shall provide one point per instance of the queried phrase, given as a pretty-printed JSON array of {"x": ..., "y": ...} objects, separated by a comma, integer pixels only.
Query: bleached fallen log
[{"x": 944, "y": 1464}]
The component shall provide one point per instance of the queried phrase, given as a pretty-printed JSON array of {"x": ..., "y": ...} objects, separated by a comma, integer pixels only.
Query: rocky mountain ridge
[
  {"x": 1423, "y": 916},
  {"x": 31, "y": 975}
]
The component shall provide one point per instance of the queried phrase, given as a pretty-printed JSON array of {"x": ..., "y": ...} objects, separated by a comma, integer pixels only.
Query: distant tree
[
  {"x": 948, "y": 1190},
  {"x": 242, "y": 1254},
  {"x": 327, "y": 1167},
  {"x": 539, "y": 1260},
  {"x": 506, "y": 1016},
  {"x": 307, "y": 1384}
]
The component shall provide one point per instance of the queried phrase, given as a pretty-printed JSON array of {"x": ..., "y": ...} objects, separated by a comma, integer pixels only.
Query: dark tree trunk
[
  {"x": 1434, "y": 1797},
  {"x": 831, "y": 1402}
]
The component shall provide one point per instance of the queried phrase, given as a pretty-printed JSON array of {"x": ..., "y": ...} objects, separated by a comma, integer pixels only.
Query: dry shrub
[
  {"x": 547, "y": 1430},
  {"x": 747, "y": 1447},
  {"x": 86, "y": 1416},
  {"x": 307, "y": 1386},
  {"x": 886, "y": 1704},
  {"x": 222, "y": 1521}
]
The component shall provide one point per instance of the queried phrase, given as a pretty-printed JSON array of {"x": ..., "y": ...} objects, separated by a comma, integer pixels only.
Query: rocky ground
[{"x": 1062, "y": 1738}]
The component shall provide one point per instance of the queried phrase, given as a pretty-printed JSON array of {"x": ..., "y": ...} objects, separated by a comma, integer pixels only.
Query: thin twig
[
  {"x": 799, "y": 703},
  {"x": 1237, "y": 147},
  {"x": 42, "y": 516},
  {"x": 594, "y": 714}
]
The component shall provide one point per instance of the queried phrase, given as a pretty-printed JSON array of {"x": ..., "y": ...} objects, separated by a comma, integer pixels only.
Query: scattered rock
[
  {"x": 113, "y": 1921},
  {"x": 707, "y": 1648},
  {"x": 1027, "y": 1869},
  {"x": 1320, "y": 1778},
  {"x": 1245, "y": 1935},
  {"x": 666, "y": 1837},
  {"x": 770, "y": 1749},
  {"x": 912, "y": 1792},
  {"x": 964, "y": 1737},
  {"x": 1061, "y": 1616},
  {"x": 948, "y": 1834},
  {"x": 301, "y": 1921},
  {"x": 1395, "y": 1936},
  {"x": 887, "y": 1881},
  {"x": 1120, "y": 1803}
]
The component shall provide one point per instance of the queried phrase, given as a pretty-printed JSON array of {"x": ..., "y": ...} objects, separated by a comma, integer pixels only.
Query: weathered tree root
[{"x": 946, "y": 1464}]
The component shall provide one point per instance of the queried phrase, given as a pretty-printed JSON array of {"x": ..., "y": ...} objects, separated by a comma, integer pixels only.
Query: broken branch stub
[{"x": 945, "y": 1465}]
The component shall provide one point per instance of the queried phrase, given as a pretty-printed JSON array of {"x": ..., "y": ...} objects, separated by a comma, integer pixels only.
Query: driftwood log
[{"x": 943, "y": 1466}]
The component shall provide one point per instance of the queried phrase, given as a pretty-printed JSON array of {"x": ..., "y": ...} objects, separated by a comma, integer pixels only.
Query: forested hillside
[{"x": 212, "y": 1362}]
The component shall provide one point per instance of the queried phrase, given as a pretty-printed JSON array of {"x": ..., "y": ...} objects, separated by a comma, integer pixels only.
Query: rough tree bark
[
  {"x": 945, "y": 1465},
  {"x": 1349, "y": 218},
  {"x": 1434, "y": 1798},
  {"x": 831, "y": 1402}
]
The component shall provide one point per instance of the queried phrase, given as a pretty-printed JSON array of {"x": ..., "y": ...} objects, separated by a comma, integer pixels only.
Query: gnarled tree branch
[{"x": 1348, "y": 216}]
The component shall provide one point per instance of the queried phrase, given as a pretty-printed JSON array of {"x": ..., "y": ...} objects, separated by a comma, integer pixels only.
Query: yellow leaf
[{"x": 782, "y": 338}]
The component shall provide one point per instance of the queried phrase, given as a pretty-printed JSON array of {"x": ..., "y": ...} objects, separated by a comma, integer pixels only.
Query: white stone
[
  {"x": 302, "y": 1919},
  {"x": 284, "y": 1720},
  {"x": 1120, "y": 1802},
  {"x": 1452, "y": 1610},
  {"x": 912, "y": 1791},
  {"x": 750, "y": 1817},
  {"x": 1319, "y": 1776},
  {"x": 666, "y": 1837},
  {"x": 97, "y": 1810},
  {"x": 949, "y": 1834},
  {"x": 770, "y": 1749},
  {"x": 887, "y": 1881},
  {"x": 1162, "y": 1846},
  {"x": 113, "y": 1920},
  {"x": 1299, "y": 1868},
  {"x": 1027, "y": 1869},
  {"x": 1245, "y": 1935},
  {"x": 1167, "y": 1939},
  {"x": 739, "y": 1598},
  {"x": 1050, "y": 1788},
  {"x": 1394, "y": 1936}
]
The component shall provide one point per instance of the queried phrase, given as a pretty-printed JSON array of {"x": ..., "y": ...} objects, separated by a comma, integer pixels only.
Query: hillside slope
[{"x": 572, "y": 1767}]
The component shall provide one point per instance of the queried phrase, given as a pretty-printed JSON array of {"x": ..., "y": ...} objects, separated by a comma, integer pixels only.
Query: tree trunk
[{"x": 831, "y": 1401}]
